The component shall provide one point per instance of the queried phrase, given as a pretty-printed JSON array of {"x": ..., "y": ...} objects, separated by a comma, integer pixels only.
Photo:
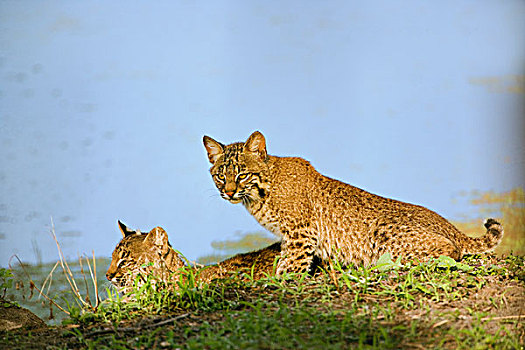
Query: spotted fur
[
  {"x": 319, "y": 216},
  {"x": 139, "y": 254}
]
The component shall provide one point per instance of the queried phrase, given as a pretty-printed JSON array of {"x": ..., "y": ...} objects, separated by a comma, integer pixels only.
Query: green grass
[
  {"x": 442, "y": 304},
  {"x": 437, "y": 305}
]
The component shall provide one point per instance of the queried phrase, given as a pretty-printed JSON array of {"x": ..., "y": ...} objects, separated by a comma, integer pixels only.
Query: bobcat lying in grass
[{"x": 139, "y": 254}]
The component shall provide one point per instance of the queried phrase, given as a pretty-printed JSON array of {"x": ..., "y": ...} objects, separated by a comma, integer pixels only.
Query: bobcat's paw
[{"x": 291, "y": 267}]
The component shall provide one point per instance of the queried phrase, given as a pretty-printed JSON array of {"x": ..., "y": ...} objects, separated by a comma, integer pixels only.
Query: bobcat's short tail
[{"x": 486, "y": 243}]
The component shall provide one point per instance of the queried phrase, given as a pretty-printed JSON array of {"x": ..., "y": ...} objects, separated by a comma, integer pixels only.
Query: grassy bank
[{"x": 475, "y": 304}]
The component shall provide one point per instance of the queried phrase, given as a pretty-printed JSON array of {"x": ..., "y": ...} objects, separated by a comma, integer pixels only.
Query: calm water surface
[{"x": 56, "y": 287}]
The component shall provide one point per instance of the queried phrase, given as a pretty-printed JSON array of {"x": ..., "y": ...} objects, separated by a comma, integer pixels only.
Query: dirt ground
[{"x": 501, "y": 299}]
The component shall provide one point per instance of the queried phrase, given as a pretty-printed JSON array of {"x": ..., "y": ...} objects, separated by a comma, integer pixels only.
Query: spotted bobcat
[
  {"x": 323, "y": 217},
  {"x": 139, "y": 254}
]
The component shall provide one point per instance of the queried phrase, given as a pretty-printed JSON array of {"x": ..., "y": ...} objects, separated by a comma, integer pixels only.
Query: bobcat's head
[
  {"x": 239, "y": 170},
  {"x": 139, "y": 254}
]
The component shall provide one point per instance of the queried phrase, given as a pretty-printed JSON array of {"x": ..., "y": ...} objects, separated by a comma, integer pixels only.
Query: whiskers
[
  {"x": 248, "y": 198},
  {"x": 112, "y": 287}
]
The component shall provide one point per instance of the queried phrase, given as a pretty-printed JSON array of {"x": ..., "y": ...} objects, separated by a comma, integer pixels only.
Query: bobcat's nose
[
  {"x": 230, "y": 193},
  {"x": 109, "y": 275}
]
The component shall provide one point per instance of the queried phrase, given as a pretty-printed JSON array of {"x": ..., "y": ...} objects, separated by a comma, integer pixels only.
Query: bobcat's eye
[
  {"x": 219, "y": 177},
  {"x": 242, "y": 176}
]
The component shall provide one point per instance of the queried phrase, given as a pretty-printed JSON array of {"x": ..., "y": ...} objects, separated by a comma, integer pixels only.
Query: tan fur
[
  {"x": 139, "y": 254},
  {"x": 319, "y": 216},
  {"x": 153, "y": 249}
]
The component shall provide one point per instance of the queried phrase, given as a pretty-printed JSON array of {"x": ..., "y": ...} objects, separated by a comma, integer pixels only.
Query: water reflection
[
  {"x": 66, "y": 218},
  {"x": 71, "y": 233},
  {"x": 37, "y": 68}
]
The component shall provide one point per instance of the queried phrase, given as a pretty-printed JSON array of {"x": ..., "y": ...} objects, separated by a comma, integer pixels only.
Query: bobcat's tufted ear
[
  {"x": 126, "y": 231},
  {"x": 159, "y": 238},
  {"x": 256, "y": 144},
  {"x": 214, "y": 148}
]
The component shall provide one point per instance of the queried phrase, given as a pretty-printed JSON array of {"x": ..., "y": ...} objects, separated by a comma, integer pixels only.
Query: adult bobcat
[
  {"x": 139, "y": 254},
  {"x": 323, "y": 217}
]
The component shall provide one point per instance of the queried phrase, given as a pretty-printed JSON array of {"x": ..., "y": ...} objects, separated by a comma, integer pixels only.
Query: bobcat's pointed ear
[
  {"x": 256, "y": 144},
  {"x": 126, "y": 231},
  {"x": 159, "y": 238},
  {"x": 214, "y": 148}
]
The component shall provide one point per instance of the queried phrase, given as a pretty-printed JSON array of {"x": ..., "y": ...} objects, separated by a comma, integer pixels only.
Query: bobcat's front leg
[{"x": 297, "y": 252}]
